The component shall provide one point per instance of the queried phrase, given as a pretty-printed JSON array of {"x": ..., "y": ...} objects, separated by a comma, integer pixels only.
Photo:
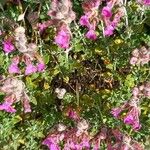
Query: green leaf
[
  {"x": 129, "y": 82},
  {"x": 46, "y": 59},
  {"x": 33, "y": 100},
  {"x": 16, "y": 119}
]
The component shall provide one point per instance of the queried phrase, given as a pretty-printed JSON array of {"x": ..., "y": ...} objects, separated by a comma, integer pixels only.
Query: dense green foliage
[{"x": 97, "y": 75}]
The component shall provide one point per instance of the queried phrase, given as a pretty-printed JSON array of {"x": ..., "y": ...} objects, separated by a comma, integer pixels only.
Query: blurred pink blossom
[
  {"x": 41, "y": 67},
  {"x": 8, "y": 47},
  {"x": 30, "y": 68},
  {"x": 90, "y": 18},
  {"x": 13, "y": 68},
  {"x": 106, "y": 12},
  {"x": 144, "y": 2},
  {"x": 84, "y": 21},
  {"x": 15, "y": 91},
  {"x": 91, "y": 35},
  {"x": 133, "y": 113},
  {"x": 140, "y": 56},
  {"x": 63, "y": 38}
]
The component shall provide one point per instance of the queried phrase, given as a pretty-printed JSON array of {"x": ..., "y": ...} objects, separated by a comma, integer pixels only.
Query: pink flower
[
  {"x": 140, "y": 56},
  {"x": 144, "y": 2},
  {"x": 109, "y": 30},
  {"x": 133, "y": 113},
  {"x": 91, "y": 35},
  {"x": 51, "y": 142},
  {"x": 84, "y": 21},
  {"x": 41, "y": 67},
  {"x": 7, "y": 107},
  {"x": 30, "y": 68},
  {"x": 111, "y": 25},
  {"x": 106, "y": 12},
  {"x": 8, "y": 46},
  {"x": 89, "y": 20},
  {"x": 13, "y": 68},
  {"x": 72, "y": 114},
  {"x": 42, "y": 26},
  {"x": 116, "y": 111},
  {"x": 132, "y": 118},
  {"x": 63, "y": 38},
  {"x": 133, "y": 60}
]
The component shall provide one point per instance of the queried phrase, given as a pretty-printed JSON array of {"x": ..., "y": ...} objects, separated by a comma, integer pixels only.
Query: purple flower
[
  {"x": 7, "y": 107},
  {"x": 72, "y": 114},
  {"x": 133, "y": 113},
  {"x": 13, "y": 68},
  {"x": 51, "y": 142},
  {"x": 30, "y": 68},
  {"x": 8, "y": 46},
  {"x": 128, "y": 119},
  {"x": 109, "y": 30},
  {"x": 42, "y": 26},
  {"x": 106, "y": 12},
  {"x": 132, "y": 118},
  {"x": 89, "y": 20},
  {"x": 144, "y": 2},
  {"x": 116, "y": 111},
  {"x": 63, "y": 38},
  {"x": 91, "y": 35},
  {"x": 84, "y": 21},
  {"x": 41, "y": 67}
]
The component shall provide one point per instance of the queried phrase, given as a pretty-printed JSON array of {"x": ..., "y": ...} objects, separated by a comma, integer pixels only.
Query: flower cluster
[
  {"x": 114, "y": 140},
  {"x": 121, "y": 141},
  {"x": 132, "y": 107},
  {"x": 79, "y": 138},
  {"x": 142, "y": 90},
  {"x": 133, "y": 112},
  {"x": 140, "y": 56},
  {"x": 90, "y": 19},
  {"x": 29, "y": 55},
  {"x": 62, "y": 15},
  {"x": 74, "y": 138},
  {"x": 111, "y": 22},
  {"x": 15, "y": 91}
]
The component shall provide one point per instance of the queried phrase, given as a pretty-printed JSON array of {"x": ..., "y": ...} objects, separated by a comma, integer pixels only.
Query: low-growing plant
[{"x": 74, "y": 75}]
